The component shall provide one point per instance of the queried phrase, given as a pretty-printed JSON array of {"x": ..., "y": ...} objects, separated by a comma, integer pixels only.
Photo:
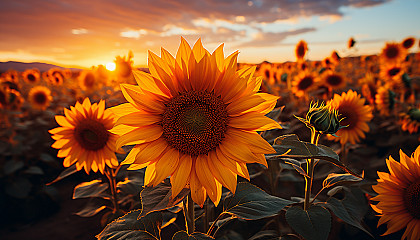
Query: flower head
[
  {"x": 301, "y": 49},
  {"x": 303, "y": 83},
  {"x": 87, "y": 80},
  {"x": 399, "y": 195},
  {"x": 355, "y": 115},
  {"x": 83, "y": 137},
  {"x": 323, "y": 118},
  {"x": 39, "y": 97},
  {"x": 31, "y": 76},
  {"x": 408, "y": 42},
  {"x": 410, "y": 120},
  {"x": 194, "y": 118},
  {"x": 385, "y": 100},
  {"x": 393, "y": 53},
  {"x": 351, "y": 42}
]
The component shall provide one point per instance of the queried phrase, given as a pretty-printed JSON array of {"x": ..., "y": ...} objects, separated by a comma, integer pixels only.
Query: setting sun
[{"x": 110, "y": 66}]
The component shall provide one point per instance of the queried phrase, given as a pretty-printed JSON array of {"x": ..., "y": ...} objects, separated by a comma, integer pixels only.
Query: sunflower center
[
  {"x": 31, "y": 77},
  {"x": 391, "y": 52},
  {"x": 334, "y": 80},
  {"x": 40, "y": 98},
  {"x": 393, "y": 71},
  {"x": 349, "y": 116},
  {"x": 305, "y": 83},
  {"x": 412, "y": 199},
  {"x": 301, "y": 51},
  {"x": 91, "y": 135},
  {"x": 195, "y": 122}
]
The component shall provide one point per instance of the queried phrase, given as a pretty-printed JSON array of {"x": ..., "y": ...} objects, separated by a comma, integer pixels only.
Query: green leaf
[
  {"x": 183, "y": 235},
  {"x": 160, "y": 197},
  {"x": 289, "y": 146},
  {"x": 351, "y": 209},
  {"x": 94, "y": 188},
  {"x": 296, "y": 165},
  {"x": 67, "y": 172},
  {"x": 129, "y": 227},
  {"x": 34, "y": 170},
  {"x": 313, "y": 224},
  {"x": 90, "y": 210},
  {"x": 12, "y": 166},
  {"x": 335, "y": 178},
  {"x": 265, "y": 235},
  {"x": 250, "y": 203}
]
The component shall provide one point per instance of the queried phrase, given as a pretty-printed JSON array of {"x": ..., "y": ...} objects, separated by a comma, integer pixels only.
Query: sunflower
[
  {"x": 385, "y": 100},
  {"x": 303, "y": 83},
  {"x": 391, "y": 72},
  {"x": 327, "y": 63},
  {"x": 4, "y": 93},
  {"x": 410, "y": 120},
  {"x": 301, "y": 49},
  {"x": 40, "y": 97},
  {"x": 354, "y": 114},
  {"x": 55, "y": 76},
  {"x": 83, "y": 137},
  {"x": 335, "y": 57},
  {"x": 267, "y": 71},
  {"x": 14, "y": 100},
  {"x": 31, "y": 76},
  {"x": 351, "y": 42},
  {"x": 87, "y": 80},
  {"x": 399, "y": 195},
  {"x": 124, "y": 68},
  {"x": 334, "y": 80},
  {"x": 408, "y": 42},
  {"x": 368, "y": 84},
  {"x": 194, "y": 118},
  {"x": 393, "y": 53}
]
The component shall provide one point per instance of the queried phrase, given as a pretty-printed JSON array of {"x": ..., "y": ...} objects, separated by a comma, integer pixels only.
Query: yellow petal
[
  {"x": 140, "y": 135},
  {"x": 222, "y": 173},
  {"x": 138, "y": 119},
  {"x": 181, "y": 175},
  {"x": 198, "y": 192},
  {"x": 253, "y": 121},
  {"x": 253, "y": 140},
  {"x": 206, "y": 178},
  {"x": 166, "y": 165},
  {"x": 123, "y": 109}
]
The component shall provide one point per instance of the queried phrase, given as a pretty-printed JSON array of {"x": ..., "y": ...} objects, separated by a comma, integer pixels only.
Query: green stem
[
  {"x": 310, "y": 165},
  {"x": 111, "y": 175},
  {"x": 189, "y": 214}
]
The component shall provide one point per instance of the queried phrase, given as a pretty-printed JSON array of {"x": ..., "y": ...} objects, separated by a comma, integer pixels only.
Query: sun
[{"x": 110, "y": 66}]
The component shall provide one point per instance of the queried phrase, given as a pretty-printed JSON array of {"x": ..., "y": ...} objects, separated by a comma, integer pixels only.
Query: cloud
[
  {"x": 268, "y": 39},
  {"x": 98, "y": 28}
]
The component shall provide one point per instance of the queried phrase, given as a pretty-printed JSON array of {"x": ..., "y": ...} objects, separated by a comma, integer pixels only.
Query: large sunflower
[
  {"x": 354, "y": 114},
  {"x": 39, "y": 97},
  {"x": 399, "y": 195},
  {"x": 83, "y": 137},
  {"x": 194, "y": 118}
]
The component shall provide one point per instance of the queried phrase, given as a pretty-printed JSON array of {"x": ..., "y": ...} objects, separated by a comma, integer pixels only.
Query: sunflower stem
[
  {"x": 111, "y": 175},
  {"x": 310, "y": 165},
  {"x": 189, "y": 214}
]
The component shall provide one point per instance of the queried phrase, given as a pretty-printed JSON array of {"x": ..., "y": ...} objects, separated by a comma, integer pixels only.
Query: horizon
[{"x": 262, "y": 30}]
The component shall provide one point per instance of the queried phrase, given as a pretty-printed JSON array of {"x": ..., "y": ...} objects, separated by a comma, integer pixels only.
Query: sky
[{"x": 79, "y": 33}]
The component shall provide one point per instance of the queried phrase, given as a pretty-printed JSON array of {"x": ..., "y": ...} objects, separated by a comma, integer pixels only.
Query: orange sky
[{"x": 87, "y": 33}]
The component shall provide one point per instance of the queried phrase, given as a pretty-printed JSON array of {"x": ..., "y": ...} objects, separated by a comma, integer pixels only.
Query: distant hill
[{"x": 21, "y": 66}]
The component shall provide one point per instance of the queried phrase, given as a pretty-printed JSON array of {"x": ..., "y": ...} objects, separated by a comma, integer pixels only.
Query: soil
[{"x": 63, "y": 224}]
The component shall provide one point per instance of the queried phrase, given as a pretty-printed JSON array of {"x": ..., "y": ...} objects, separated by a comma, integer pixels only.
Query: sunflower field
[{"x": 201, "y": 146}]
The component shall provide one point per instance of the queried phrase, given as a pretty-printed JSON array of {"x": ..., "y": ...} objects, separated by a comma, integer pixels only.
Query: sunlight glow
[{"x": 110, "y": 66}]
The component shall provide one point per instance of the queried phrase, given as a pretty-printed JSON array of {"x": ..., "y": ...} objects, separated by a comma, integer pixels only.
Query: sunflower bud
[{"x": 323, "y": 118}]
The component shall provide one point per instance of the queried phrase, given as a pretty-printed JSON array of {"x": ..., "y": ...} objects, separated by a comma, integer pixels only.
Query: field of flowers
[{"x": 199, "y": 146}]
